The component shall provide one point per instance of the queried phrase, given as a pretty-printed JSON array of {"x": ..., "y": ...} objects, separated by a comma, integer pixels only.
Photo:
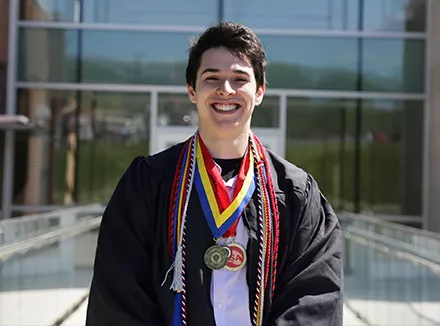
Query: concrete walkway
[
  {"x": 79, "y": 317},
  {"x": 44, "y": 307}
]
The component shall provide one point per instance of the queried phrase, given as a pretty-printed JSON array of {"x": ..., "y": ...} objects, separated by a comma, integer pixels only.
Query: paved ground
[
  {"x": 43, "y": 307},
  {"x": 78, "y": 318}
]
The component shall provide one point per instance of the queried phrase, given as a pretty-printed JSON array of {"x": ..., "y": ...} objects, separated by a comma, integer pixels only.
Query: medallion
[
  {"x": 237, "y": 258},
  {"x": 216, "y": 257}
]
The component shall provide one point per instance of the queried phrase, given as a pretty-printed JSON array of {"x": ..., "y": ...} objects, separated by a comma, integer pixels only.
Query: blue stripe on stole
[
  {"x": 217, "y": 232},
  {"x": 177, "y": 313}
]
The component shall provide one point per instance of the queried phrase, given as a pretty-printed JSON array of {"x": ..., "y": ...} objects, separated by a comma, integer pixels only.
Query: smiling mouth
[{"x": 225, "y": 107}]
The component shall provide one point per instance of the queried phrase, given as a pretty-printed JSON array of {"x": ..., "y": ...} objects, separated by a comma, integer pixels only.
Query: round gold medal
[
  {"x": 237, "y": 258},
  {"x": 216, "y": 257}
]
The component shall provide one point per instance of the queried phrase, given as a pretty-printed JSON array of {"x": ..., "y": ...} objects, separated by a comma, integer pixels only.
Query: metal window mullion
[
  {"x": 154, "y": 107},
  {"x": 131, "y": 88},
  {"x": 199, "y": 29},
  {"x": 11, "y": 94},
  {"x": 282, "y": 123},
  {"x": 426, "y": 116}
]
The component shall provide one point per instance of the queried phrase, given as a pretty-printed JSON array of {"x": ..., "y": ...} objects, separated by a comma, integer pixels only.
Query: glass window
[
  {"x": 48, "y": 55},
  {"x": 311, "y": 62},
  {"x": 167, "y": 12},
  {"x": 176, "y": 110},
  {"x": 392, "y": 156},
  {"x": 112, "y": 129},
  {"x": 115, "y": 129},
  {"x": 395, "y": 15},
  {"x": 294, "y": 14},
  {"x": 321, "y": 138},
  {"x": 299, "y": 62},
  {"x": 266, "y": 115},
  {"x": 393, "y": 65},
  {"x": 330, "y": 63},
  {"x": 378, "y": 15},
  {"x": 106, "y": 56}
]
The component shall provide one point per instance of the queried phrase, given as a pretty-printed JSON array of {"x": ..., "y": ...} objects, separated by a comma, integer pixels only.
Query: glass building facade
[{"x": 346, "y": 92}]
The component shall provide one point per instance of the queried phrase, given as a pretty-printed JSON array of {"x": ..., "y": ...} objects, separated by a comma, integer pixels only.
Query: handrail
[
  {"x": 92, "y": 208},
  {"x": 391, "y": 246},
  {"x": 399, "y": 227},
  {"x": 48, "y": 238}
]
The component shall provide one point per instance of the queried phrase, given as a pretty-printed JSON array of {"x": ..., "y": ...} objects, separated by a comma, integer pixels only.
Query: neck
[{"x": 226, "y": 148}]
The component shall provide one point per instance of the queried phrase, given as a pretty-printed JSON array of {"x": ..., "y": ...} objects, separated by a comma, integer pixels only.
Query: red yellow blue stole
[
  {"x": 195, "y": 165},
  {"x": 221, "y": 213}
]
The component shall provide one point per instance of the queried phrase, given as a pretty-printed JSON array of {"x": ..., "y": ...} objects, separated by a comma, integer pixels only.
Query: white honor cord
[{"x": 177, "y": 283}]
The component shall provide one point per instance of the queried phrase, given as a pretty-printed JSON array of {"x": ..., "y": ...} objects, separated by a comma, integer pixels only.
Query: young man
[{"x": 218, "y": 230}]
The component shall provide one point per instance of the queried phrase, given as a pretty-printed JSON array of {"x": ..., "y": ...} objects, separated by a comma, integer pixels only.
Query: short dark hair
[{"x": 239, "y": 39}]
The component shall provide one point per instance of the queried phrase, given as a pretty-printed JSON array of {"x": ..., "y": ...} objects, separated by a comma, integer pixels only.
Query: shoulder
[
  {"x": 159, "y": 165},
  {"x": 287, "y": 177}
]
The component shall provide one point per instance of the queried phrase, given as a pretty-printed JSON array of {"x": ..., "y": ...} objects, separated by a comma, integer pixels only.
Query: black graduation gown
[{"x": 132, "y": 254}]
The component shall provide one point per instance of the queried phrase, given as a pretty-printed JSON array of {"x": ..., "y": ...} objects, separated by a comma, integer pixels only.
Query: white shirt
[{"x": 229, "y": 290}]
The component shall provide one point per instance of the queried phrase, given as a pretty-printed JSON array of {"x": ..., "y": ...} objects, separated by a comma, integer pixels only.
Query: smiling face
[{"x": 225, "y": 94}]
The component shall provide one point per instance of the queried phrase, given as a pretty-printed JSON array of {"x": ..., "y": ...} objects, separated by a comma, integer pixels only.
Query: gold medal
[
  {"x": 216, "y": 257},
  {"x": 237, "y": 258}
]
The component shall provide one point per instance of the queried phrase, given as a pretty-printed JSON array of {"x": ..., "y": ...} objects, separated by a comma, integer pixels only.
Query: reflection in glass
[
  {"x": 111, "y": 57},
  {"x": 321, "y": 139},
  {"x": 311, "y": 62},
  {"x": 135, "y": 57},
  {"x": 168, "y": 12},
  {"x": 378, "y": 15},
  {"x": 332, "y": 63},
  {"x": 395, "y": 16},
  {"x": 156, "y": 58},
  {"x": 392, "y": 156},
  {"x": 266, "y": 115},
  {"x": 176, "y": 110},
  {"x": 115, "y": 129},
  {"x": 74, "y": 156},
  {"x": 48, "y": 55},
  {"x": 393, "y": 65}
]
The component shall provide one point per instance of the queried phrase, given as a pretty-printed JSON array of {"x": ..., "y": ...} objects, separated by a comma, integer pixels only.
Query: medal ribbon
[
  {"x": 190, "y": 172},
  {"x": 220, "y": 216}
]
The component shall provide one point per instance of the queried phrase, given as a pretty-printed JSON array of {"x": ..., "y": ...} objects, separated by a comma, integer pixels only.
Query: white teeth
[{"x": 225, "y": 107}]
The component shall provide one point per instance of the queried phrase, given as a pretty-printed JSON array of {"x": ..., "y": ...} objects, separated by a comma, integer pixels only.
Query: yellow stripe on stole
[{"x": 220, "y": 218}]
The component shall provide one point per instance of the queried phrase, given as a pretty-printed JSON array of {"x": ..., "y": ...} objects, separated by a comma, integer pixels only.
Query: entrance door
[{"x": 176, "y": 120}]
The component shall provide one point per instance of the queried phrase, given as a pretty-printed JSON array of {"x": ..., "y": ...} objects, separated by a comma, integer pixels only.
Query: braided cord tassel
[
  {"x": 276, "y": 219},
  {"x": 263, "y": 236},
  {"x": 181, "y": 199},
  {"x": 183, "y": 236}
]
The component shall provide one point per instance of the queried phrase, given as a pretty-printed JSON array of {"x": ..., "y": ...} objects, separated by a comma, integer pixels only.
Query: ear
[
  {"x": 191, "y": 93},
  {"x": 260, "y": 95}
]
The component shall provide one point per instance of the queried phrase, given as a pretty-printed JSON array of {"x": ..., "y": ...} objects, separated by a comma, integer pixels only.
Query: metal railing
[
  {"x": 21, "y": 228},
  {"x": 392, "y": 272}
]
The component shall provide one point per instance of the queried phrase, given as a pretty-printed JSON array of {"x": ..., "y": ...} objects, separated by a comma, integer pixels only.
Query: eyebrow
[{"x": 213, "y": 70}]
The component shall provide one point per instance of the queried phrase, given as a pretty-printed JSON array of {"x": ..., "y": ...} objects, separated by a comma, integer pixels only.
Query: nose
[{"x": 225, "y": 88}]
